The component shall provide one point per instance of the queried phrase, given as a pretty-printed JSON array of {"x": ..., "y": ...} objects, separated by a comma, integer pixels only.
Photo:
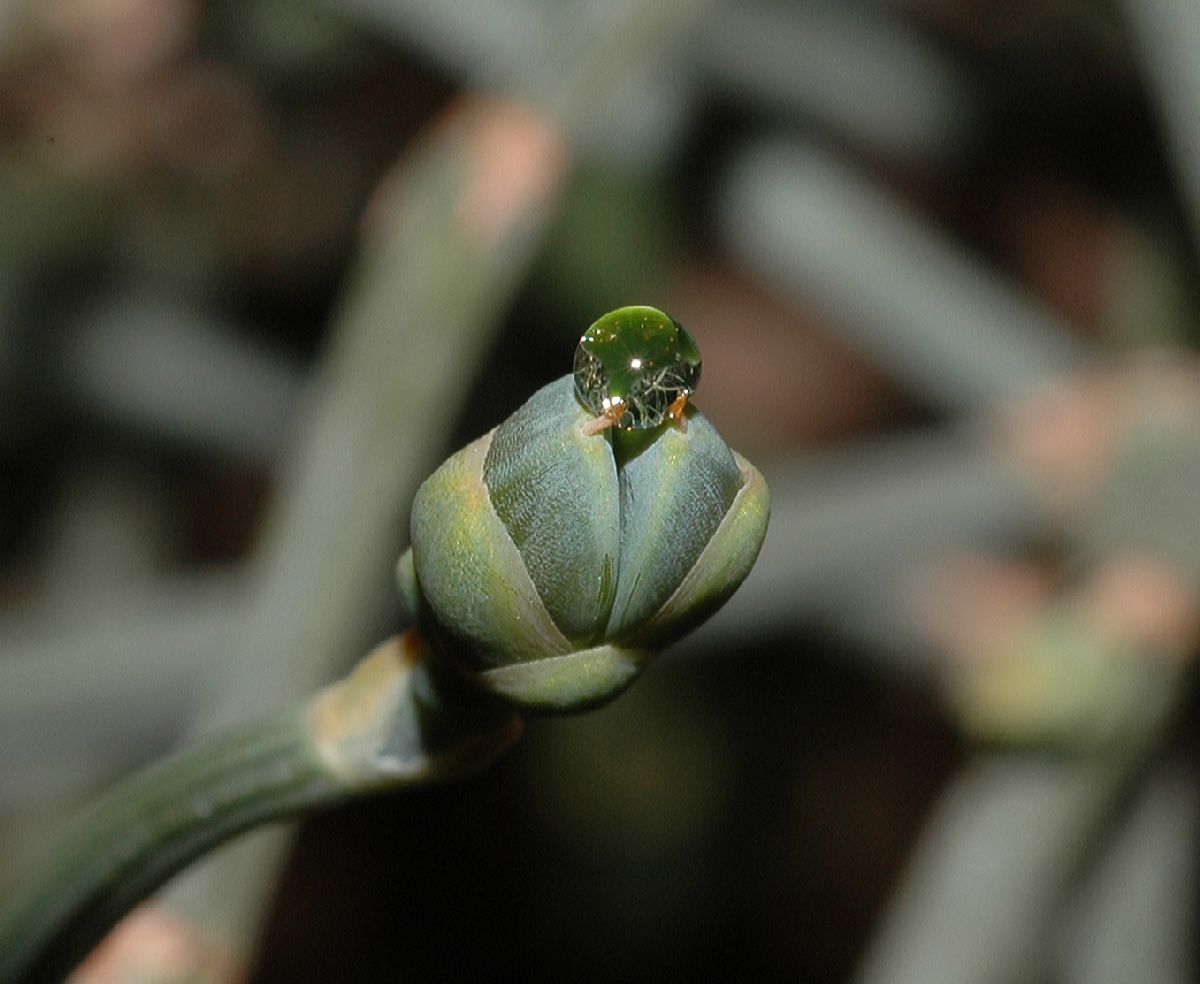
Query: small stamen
[
  {"x": 598, "y": 424},
  {"x": 675, "y": 411}
]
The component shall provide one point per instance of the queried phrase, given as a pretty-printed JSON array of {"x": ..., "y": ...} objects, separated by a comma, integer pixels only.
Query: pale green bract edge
[
  {"x": 466, "y": 563},
  {"x": 568, "y": 683},
  {"x": 406, "y": 586},
  {"x": 720, "y": 569},
  {"x": 556, "y": 491},
  {"x": 675, "y": 493}
]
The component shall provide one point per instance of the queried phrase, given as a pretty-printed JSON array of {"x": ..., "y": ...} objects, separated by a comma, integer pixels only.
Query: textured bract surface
[
  {"x": 550, "y": 562},
  {"x": 633, "y": 364},
  {"x": 556, "y": 491}
]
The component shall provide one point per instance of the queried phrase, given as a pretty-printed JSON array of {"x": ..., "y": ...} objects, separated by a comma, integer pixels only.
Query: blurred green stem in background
[
  {"x": 897, "y": 289},
  {"x": 405, "y": 345},
  {"x": 447, "y": 245},
  {"x": 997, "y": 863}
]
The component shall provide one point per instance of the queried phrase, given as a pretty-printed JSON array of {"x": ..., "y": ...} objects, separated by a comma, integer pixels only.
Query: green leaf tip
[{"x": 550, "y": 561}]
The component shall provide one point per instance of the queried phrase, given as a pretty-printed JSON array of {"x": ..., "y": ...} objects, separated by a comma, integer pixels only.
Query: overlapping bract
[{"x": 551, "y": 564}]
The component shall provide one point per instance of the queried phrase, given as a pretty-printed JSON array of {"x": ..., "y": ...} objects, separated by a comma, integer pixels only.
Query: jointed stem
[
  {"x": 151, "y": 826},
  {"x": 388, "y": 724}
]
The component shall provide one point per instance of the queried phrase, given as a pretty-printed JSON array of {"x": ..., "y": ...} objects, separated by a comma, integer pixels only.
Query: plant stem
[
  {"x": 1000, "y": 857},
  {"x": 63, "y": 725},
  {"x": 897, "y": 289},
  {"x": 1168, "y": 33},
  {"x": 152, "y": 825},
  {"x": 391, "y": 723}
]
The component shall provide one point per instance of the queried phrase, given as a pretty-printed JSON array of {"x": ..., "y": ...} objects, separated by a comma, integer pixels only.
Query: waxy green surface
[
  {"x": 550, "y": 563},
  {"x": 642, "y": 358}
]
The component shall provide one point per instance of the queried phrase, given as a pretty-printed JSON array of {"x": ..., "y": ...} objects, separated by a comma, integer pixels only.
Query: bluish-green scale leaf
[
  {"x": 556, "y": 491},
  {"x": 675, "y": 490}
]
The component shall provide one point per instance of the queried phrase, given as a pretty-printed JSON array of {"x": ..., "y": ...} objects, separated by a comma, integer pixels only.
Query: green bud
[{"x": 550, "y": 564}]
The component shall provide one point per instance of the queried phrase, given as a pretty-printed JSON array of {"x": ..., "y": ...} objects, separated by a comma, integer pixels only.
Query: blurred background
[{"x": 262, "y": 266}]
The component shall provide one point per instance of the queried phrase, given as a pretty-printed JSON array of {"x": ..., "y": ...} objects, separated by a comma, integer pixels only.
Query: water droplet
[{"x": 632, "y": 366}]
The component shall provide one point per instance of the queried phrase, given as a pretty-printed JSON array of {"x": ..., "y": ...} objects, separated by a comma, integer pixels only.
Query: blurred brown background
[{"x": 263, "y": 265}]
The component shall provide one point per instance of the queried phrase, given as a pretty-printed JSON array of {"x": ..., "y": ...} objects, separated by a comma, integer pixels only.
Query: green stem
[
  {"x": 149, "y": 827},
  {"x": 388, "y": 724}
]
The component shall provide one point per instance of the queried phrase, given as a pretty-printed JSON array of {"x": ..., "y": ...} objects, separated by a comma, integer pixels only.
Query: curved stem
[
  {"x": 151, "y": 826},
  {"x": 391, "y": 723}
]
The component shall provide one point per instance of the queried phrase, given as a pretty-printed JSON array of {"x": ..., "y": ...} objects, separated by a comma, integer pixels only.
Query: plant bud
[{"x": 551, "y": 562}]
